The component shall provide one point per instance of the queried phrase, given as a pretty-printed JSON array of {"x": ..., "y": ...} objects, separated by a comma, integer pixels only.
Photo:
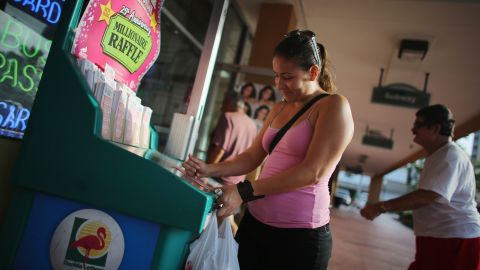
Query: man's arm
[
  {"x": 219, "y": 140},
  {"x": 215, "y": 154},
  {"x": 410, "y": 201}
]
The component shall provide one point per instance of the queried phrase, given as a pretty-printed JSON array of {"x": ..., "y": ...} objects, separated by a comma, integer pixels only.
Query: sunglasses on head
[
  {"x": 303, "y": 33},
  {"x": 311, "y": 37}
]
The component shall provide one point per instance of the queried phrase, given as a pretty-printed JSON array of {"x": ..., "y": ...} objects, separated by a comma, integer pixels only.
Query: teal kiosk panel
[{"x": 82, "y": 202}]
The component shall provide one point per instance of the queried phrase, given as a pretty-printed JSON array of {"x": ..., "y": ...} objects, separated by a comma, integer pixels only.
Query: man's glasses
[
  {"x": 417, "y": 125},
  {"x": 311, "y": 37}
]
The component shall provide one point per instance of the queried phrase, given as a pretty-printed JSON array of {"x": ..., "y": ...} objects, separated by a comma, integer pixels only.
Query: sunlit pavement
[{"x": 359, "y": 244}]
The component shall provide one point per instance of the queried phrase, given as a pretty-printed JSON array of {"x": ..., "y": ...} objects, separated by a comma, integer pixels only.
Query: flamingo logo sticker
[
  {"x": 90, "y": 240},
  {"x": 87, "y": 239}
]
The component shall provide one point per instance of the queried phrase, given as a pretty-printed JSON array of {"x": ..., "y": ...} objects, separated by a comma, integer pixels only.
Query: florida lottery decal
[
  {"x": 123, "y": 34},
  {"x": 87, "y": 239}
]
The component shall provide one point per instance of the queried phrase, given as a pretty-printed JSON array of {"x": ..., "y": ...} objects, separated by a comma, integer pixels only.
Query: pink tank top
[{"x": 307, "y": 207}]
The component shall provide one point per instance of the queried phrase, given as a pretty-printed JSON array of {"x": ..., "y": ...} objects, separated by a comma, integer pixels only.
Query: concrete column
[
  {"x": 274, "y": 21},
  {"x": 375, "y": 189}
]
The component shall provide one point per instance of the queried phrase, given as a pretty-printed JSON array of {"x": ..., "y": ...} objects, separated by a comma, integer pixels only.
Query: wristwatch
[{"x": 218, "y": 192}]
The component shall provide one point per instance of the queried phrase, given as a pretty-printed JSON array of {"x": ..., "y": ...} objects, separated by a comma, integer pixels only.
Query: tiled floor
[{"x": 359, "y": 244}]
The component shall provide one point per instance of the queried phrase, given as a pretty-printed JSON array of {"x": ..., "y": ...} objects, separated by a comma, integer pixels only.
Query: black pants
[{"x": 265, "y": 247}]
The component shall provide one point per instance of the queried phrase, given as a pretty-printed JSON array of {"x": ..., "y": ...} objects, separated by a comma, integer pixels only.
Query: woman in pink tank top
[{"x": 286, "y": 225}]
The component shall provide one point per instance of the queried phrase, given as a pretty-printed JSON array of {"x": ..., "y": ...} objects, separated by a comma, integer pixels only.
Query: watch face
[
  {"x": 87, "y": 239},
  {"x": 218, "y": 192}
]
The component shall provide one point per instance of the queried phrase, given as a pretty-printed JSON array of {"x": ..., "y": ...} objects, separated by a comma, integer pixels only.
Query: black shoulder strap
[{"x": 284, "y": 129}]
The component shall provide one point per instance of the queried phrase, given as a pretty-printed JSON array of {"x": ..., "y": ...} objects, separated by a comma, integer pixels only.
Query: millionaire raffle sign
[{"x": 124, "y": 35}]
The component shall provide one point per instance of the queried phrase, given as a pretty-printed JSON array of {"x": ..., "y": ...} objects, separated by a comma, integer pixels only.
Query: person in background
[
  {"x": 234, "y": 133},
  {"x": 248, "y": 92},
  {"x": 286, "y": 224},
  {"x": 248, "y": 109},
  {"x": 266, "y": 96},
  {"x": 260, "y": 115},
  {"x": 445, "y": 218}
]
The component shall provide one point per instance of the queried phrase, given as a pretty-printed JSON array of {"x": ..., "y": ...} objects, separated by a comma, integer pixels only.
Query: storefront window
[
  {"x": 194, "y": 15},
  {"x": 231, "y": 51},
  {"x": 167, "y": 86}
]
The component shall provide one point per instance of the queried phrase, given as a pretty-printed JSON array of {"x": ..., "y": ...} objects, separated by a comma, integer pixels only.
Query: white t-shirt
[{"x": 448, "y": 172}]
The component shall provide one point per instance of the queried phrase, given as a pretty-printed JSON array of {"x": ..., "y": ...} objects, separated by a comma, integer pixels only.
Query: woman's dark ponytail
[{"x": 325, "y": 78}]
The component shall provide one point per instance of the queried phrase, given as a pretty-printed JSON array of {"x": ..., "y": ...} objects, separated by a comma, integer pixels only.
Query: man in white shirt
[{"x": 446, "y": 221}]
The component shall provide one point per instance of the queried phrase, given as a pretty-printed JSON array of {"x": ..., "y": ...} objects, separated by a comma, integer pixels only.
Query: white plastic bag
[{"x": 216, "y": 249}]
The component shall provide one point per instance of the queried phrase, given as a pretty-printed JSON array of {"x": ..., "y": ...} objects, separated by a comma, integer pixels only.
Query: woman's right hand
[{"x": 195, "y": 167}]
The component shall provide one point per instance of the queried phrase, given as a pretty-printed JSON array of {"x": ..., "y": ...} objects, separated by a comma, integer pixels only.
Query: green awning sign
[{"x": 126, "y": 42}]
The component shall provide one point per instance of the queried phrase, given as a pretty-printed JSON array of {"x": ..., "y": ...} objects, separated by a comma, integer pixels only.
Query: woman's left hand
[{"x": 230, "y": 199}]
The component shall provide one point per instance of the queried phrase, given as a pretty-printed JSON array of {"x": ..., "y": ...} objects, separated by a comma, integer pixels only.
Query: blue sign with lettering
[
  {"x": 45, "y": 10},
  {"x": 13, "y": 119}
]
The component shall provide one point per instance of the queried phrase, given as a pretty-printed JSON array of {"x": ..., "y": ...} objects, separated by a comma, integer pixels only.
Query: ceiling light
[
  {"x": 413, "y": 49},
  {"x": 376, "y": 138}
]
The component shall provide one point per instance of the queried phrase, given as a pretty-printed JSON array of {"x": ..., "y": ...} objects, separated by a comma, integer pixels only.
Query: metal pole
[
  {"x": 426, "y": 82},
  {"x": 381, "y": 77},
  {"x": 205, "y": 68}
]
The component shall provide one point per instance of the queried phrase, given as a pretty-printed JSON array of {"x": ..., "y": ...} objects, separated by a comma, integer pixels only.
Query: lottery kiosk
[{"x": 83, "y": 202}]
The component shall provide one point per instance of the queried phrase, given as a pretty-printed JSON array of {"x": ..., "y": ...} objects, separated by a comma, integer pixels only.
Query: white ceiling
[{"x": 363, "y": 36}]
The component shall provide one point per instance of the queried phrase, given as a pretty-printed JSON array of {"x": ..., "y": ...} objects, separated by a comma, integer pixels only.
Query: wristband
[{"x": 245, "y": 190}]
